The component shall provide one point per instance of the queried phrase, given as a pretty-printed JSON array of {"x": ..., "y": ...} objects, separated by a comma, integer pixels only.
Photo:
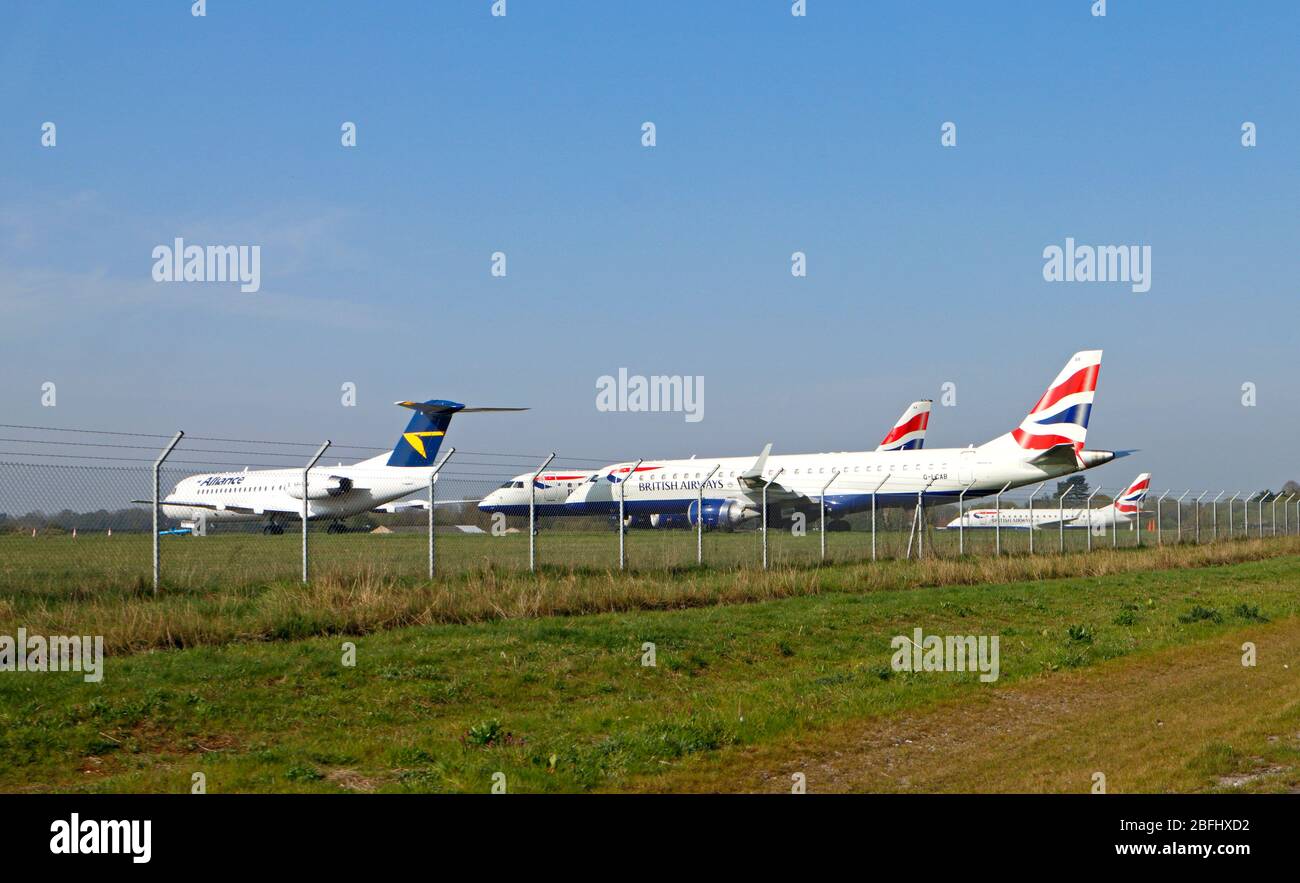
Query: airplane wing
[
  {"x": 408, "y": 505},
  {"x": 214, "y": 507},
  {"x": 753, "y": 476},
  {"x": 1054, "y": 524}
]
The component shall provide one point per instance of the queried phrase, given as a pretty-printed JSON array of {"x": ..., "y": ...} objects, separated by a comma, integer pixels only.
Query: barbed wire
[{"x": 334, "y": 446}]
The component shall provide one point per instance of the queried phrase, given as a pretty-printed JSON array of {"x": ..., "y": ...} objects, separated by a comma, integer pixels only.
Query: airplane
[
  {"x": 1119, "y": 512},
  {"x": 333, "y": 492},
  {"x": 1048, "y": 443},
  {"x": 553, "y": 488}
]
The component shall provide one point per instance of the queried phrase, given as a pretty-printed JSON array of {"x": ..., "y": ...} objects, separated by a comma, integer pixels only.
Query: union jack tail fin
[
  {"x": 1127, "y": 502},
  {"x": 1061, "y": 415},
  {"x": 908, "y": 433}
]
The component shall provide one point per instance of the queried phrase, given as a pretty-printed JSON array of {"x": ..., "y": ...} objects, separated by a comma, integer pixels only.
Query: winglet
[{"x": 756, "y": 471}]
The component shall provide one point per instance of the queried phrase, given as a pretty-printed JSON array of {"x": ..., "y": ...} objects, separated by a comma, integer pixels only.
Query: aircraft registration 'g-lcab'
[
  {"x": 1121, "y": 511},
  {"x": 551, "y": 490},
  {"x": 1048, "y": 443},
  {"x": 332, "y": 493}
]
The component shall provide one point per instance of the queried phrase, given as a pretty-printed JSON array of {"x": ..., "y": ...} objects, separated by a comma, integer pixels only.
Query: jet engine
[
  {"x": 320, "y": 488},
  {"x": 721, "y": 513},
  {"x": 670, "y": 520}
]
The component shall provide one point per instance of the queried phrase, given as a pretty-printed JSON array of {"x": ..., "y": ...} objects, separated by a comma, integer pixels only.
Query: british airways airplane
[
  {"x": 1049, "y": 442},
  {"x": 1121, "y": 511},
  {"x": 552, "y": 489},
  {"x": 334, "y": 492}
]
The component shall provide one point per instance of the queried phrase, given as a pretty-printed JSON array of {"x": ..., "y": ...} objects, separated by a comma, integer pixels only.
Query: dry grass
[{"x": 136, "y": 621}]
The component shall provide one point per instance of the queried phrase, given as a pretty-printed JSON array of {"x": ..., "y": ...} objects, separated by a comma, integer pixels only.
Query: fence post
[
  {"x": 532, "y": 513},
  {"x": 1286, "y": 515},
  {"x": 1198, "y": 517},
  {"x": 873, "y": 515},
  {"x": 920, "y": 521},
  {"x": 306, "y": 478},
  {"x": 699, "y": 519},
  {"x": 961, "y": 519},
  {"x": 1230, "y": 502},
  {"x": 765, "y": 487},
  {"x": 823, "y": 512},
  {"x": 622, "y": 496},
  {"x": 1060, "y": 517},
  {"x": 997, "y": 524},
  {"x": 1088, "y": 504},
  {"x": 1214, "y": 518},
  {"x": 1260, "y": 509},
  {"x": 1180, "y": 517},
  {"x": 1160, "y": 530},
  {"x": 1273, "y": 508},
  {"x": 157, "y": 469},
  {"x": 433, "y": 477},
  {"x": 1031, "y": 515}
]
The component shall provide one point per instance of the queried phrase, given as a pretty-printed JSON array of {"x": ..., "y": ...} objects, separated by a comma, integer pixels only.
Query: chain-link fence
[{"x": 77, "y": 511}]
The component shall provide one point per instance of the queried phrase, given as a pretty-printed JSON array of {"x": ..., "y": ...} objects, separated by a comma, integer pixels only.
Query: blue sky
[{"x": 775, "y": 134}]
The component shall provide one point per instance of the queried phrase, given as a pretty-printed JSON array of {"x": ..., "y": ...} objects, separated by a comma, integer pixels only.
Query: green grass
[
  {"x": 565, "y": 703},
  {"x": 229, "y": 558}
]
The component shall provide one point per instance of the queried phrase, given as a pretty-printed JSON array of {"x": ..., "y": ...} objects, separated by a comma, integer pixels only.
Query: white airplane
[
  {"x": 333, "y": 492},
  {"x": 554, "y": 488},
  {"x": 1119, "y": 512},
  {"x": 1048, "y": 443}
]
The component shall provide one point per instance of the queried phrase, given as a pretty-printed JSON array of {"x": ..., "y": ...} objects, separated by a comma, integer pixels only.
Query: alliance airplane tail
[
  {"x": 1057, "y": 426},
  {"x": 418, "y": 445},
  {"x": 908, "y": 433}
]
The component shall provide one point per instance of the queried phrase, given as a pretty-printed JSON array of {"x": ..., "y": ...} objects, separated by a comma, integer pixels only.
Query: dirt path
[{"x": 1189, "y": 718}]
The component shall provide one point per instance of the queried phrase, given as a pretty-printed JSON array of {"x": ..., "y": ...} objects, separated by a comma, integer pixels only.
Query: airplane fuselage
[
  {"x": 333, "y": 492},
  {"x": 847, "y": 480}
]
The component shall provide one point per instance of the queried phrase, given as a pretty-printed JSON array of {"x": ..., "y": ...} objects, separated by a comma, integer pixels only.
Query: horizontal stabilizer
[{"x": 1057, "y": 455}]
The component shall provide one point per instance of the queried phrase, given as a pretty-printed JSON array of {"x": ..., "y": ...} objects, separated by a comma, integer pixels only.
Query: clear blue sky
[{"x": 775, "y": 134}]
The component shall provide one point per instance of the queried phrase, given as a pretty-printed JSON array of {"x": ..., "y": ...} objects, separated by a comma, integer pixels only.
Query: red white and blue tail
[
  {"x": 908, "y": 433},
  {"x": 1127, "y": 502},
  {"x": 1061, "y": 415}
]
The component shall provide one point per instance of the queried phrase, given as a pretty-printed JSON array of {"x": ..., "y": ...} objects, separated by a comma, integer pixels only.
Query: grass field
[
  {"x": 1131, "y": 666},
  {"x": 231, "y": 558}
]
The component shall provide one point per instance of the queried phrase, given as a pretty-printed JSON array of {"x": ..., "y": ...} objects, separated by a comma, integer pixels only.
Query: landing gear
[
  {"x": 336, "y": 527},
  {"x": 273, "y": 528}
]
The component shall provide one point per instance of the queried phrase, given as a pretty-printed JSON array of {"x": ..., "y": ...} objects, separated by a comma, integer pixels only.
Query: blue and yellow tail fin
[{"x": 419, "y": 444}]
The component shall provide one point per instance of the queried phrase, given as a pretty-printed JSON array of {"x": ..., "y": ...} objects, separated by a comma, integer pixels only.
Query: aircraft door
[{"x": 966, "y": 467}]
